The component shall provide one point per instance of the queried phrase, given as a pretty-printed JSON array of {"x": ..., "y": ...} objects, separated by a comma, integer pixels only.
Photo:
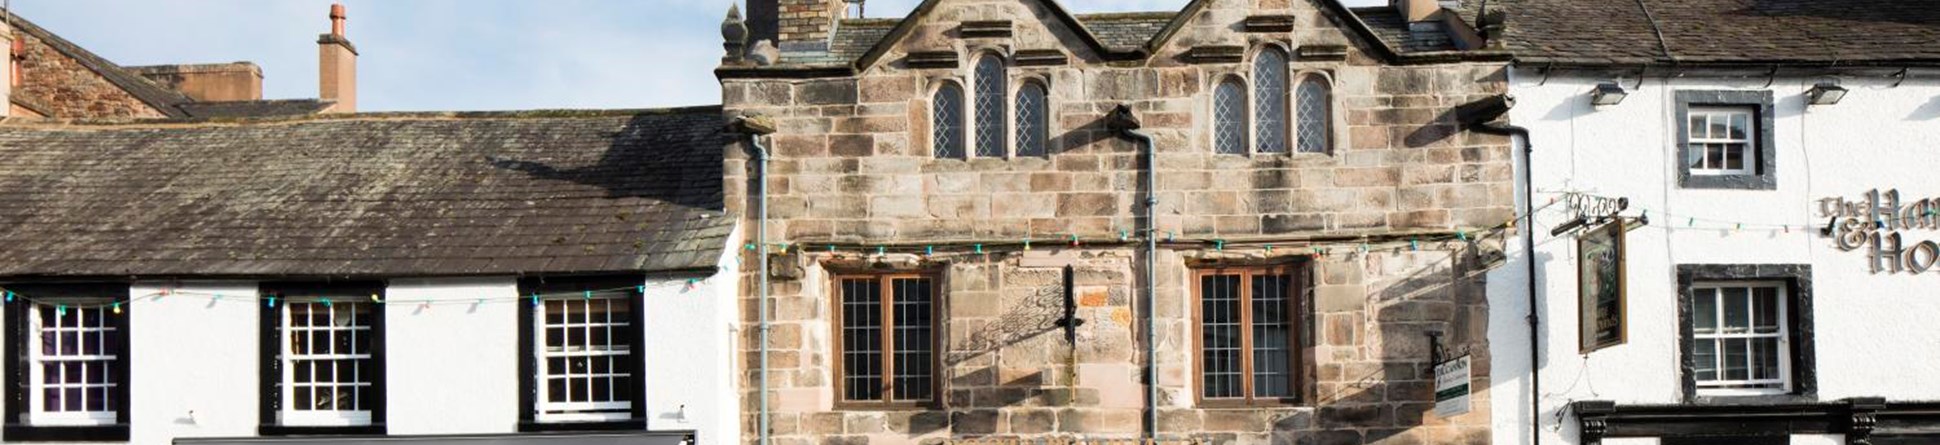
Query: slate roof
[
  {"x": 1721, "y": 31},
  {"x": 255, "y": 108},
  {"x": 1126, "y": 31},
  {"x": 1389, "y": 25},
  {"x": 447, "y": 194},
  {"x": 852, "y": 37}
]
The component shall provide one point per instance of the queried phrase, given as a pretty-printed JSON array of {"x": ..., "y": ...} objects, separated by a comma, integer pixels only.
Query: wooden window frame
[
  {"x": 888, "y": 342},
  {"x": 1301, "y": 352}
]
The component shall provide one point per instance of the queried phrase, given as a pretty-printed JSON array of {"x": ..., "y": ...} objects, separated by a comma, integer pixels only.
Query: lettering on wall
[{"x": 1875, "y": 223}]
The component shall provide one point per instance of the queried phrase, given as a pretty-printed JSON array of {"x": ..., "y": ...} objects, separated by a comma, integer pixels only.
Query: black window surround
[
  {"x": 16, "y": 430},
  {"x": 1764, "y": 167},
  {"x": 270, "y": 362},
  {"x": 1797, "y": 279},
  {"x": 1859, "y": 419},
  {"x": 529, "y": 365}
]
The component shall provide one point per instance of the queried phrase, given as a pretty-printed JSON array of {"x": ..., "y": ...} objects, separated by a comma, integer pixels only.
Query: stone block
[
  {"x": 826, "y": 92},
  {"x": 1340, "y": 298},
  {"x": 875, "y": 89},
  {"x": 852, "y": 145},
  {"x": 898, "y": 207},
  {"x": 1235, "y": 420},
  {"x": 1339, "y": 416},
  {"x": 918, "y": 422},
  {"x": 867, "y": 423},
  {"x": 823, "y": 423},
  {"x": 981, "y": 421}
]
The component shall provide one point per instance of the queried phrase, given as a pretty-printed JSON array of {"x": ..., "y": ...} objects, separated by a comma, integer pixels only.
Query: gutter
[
  {"x": 1483, "y": 117},
  {"x": 755, "y": 128},
  {"x": 1126, "y": 124}
]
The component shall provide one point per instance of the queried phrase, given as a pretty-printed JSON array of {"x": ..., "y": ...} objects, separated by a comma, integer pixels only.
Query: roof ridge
[
  {"x": 1127, "y": 15},
  {"x": 20, "y": 122}
]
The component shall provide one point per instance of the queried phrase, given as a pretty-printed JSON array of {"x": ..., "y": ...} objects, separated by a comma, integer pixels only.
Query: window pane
[
  {"x": 1270, "y": 92},
  {"x": 1316, "y": 114},
  {"x": 1697, "y": 127},
  {"x": 1736, "y": 366},
  {"x": 1229, "y": 118},
  {"x": 1765, "y": 301},
  {"x": 1220, "y": 335},
  {"x": 992, "y": 86},
  {"x": 1737, "y": 309},
  {"x": 913, "y": 339},
  {"x": 1033, "y": 120},
  {"x": 1272, "y": 335},
  {"x": 1704, "y": 357},
  {"x": 862, "y": 339},
  {"x": 1704, "y": 311},
  {"x": 1740, "y": 126},
  {"x": 1765, "y": 358},
  {"x": 946, "y": 121}
]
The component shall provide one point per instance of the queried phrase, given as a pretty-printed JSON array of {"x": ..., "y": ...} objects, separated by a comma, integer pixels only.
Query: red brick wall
[{"x": 67, "y": 89}]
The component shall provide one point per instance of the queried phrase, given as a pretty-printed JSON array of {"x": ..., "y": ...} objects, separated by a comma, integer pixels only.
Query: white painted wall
[
  {"x": 452, "y": 366},
  {"x": 193, "y": 354},
  {"x": 1874, "y": 332}
]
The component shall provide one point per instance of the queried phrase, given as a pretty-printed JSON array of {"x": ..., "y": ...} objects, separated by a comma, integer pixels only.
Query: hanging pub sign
[
  {"x": 1600, "y": 287},
  {"x": 1452, "y": 380},
  {"x": 1875, "y": 222}
]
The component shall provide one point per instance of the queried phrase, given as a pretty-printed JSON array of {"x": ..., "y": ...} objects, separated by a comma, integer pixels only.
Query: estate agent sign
[
  {"x": 1452, "y": 387},
  {"x": 1600, "y": 287},
  {"x": 1874, "y": 223}
]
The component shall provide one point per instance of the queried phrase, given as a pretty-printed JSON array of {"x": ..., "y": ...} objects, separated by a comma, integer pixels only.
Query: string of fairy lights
[
  {"x": 271, "y": 300},
  {"x": 1321, "y": 248}
]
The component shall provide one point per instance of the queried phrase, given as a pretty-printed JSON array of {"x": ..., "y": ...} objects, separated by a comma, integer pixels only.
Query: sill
[
  {"x": 531, "y": 426},
  {"x": 31, "y": 433},
  {"x": 295, "y": 430},
  {"x": 1216, "y": 404},
  {"x": 1759, "y": 399}
]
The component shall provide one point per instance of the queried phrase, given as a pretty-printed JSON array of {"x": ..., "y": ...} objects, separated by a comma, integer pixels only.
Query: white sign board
[{"x": 1452, "y": 380}]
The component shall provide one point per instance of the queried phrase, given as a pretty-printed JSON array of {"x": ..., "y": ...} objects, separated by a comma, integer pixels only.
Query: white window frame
[
  {"x": 37, "y": 415},
  {"x": 1722, "y": 387},
  {"x": 288, "y": 415},
  {"x": 1748, "y": 146},
  {"x": 547, "y": 411}
]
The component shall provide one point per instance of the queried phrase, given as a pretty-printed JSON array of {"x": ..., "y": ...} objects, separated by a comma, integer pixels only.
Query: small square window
[{"x": 1725, "y": 140}]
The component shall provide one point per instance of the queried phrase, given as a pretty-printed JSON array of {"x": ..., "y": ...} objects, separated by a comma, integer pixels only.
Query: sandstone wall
[
  {"x": 852, "y": 167},
  {"x": 66, "y": 89}
]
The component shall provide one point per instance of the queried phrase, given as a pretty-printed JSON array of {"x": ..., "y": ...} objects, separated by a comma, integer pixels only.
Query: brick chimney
[
  {"x": 794, "y": 25},
  {"x": 12, "y": 73},
  {"x": 1418, "y": 10},
  {"x": 337, "y": 65}
]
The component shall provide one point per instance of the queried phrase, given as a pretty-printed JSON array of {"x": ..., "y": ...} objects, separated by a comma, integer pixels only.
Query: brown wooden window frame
[
  {"x": 1300, "y": 352},
  {"x": 888, "y": 351}
]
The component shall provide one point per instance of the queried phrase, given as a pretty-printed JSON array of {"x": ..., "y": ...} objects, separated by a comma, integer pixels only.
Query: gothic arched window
[
  {"x": 1315, "y": 99},
  {"x": 1270, "y": 96},
  {"x": 1229, "y": 117},
  {"x": 989, "y": 104},
  {"x": 1033, "y": 120},
  {"x": 946, "y": 121}
]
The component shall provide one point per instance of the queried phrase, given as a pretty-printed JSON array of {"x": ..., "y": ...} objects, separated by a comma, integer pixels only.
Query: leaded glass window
[
  {"x": 1033, "y": 120},
  {"x": 1248, "y": 335},
  {"x": 992, "y": 87},
  {"x": 887, "y": 333},
  {"x": 946, "y": 121},
  {"x": 1229, "y": 117},
  {"x": 1315, "y": 100},
  {"x": 1270, "y": 92}
]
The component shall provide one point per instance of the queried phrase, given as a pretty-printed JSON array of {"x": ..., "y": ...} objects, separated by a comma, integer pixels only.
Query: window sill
[
  {"x": 293, "y": 430},
  {"x": 530, "y": 426},
  {"x": 1758, "y": 399},
  {"x": 31, "y": 433}
]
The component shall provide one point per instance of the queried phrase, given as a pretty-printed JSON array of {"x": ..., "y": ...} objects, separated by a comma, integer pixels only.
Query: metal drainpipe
[
  {"x": 1127, "y": 125},
  {"x": 754, "y": 129},
  {"x": 1528, "y": 225}
]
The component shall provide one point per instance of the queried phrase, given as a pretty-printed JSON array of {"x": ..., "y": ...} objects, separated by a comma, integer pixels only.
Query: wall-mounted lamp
[
  {"x": 1608, "y": 94},
  {"x": 1825, "y": 94}
]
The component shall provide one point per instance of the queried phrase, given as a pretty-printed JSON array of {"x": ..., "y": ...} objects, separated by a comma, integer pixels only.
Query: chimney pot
[{"x": 337, "y": 18}]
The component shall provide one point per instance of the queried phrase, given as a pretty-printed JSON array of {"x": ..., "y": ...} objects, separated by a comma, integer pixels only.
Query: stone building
[
  {"x": 52, "y": 77},
  {"x": 955, "y": 220}
]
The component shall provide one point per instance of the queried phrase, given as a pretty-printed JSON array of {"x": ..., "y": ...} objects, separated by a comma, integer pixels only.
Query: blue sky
[{"x": 447, "y": 54}]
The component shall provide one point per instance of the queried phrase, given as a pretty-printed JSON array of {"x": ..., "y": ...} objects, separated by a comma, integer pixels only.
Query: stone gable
[{"x": 853, "y": 168}]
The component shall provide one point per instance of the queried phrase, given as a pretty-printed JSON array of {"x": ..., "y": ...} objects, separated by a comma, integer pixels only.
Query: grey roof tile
[{"x": 375, "y": 194}]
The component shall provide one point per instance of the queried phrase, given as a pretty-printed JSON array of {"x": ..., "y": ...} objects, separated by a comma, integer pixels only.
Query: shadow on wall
[
  {"x": 672, "y": 157},
  {"x": 1447, "y": 296},
  {"x": 1929, "y": 111}
]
